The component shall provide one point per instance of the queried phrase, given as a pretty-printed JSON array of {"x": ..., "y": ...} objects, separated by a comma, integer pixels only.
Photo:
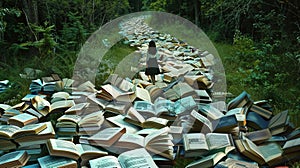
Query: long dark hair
[{"x": 152, "y": 48}]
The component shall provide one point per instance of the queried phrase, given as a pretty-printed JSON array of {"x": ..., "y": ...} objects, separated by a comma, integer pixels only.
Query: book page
[
  {"x": 52, "y": 161},
  {"x": 105, "y": 162},
  {"x": 70, "y": 117},
  {"x": 12, "y": 156},
  {"x": 119, "y": 121},
  {"x": 156, "y": 120},
  {"x": 202, "y": 119},
  {"x": 163, "y": 105},
  {"x": 106, "y": 134},
  {"x": 194, "y": 141},
  {"x": 217, "y": 140},
  {"x": 136, "y": 158},
  {"x": 135, "y": 115},
  {"x": 62, "y": 104},
  {"x": 86, "y": 148},
  {"x": 144, "y": 106},
  {"x": 291, "y": 143},
  {"x": 155, "y": 134},
  {"x": 132, "y": 138},
  {"x": 40, "y": 104},
  {"x": 270, "y": 151},
  {"x": 211, "y": 111},
  {"x": 142, "y": 94},
  {"x": 8, "y": 130},
  {"x": 62, "y": 145}
]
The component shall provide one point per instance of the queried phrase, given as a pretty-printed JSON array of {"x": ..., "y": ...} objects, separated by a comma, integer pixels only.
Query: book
[
  {"x": 88, "y": 152},
  {"x": 57, "y": 147},
  {"x": 180, "y": 90},
  {"x": 39, "y": 86},
  {"x": 22, "y": 119},
  {"x": 130, "y": 159},
  {"x": 59, "y": 96},
  {"x": 117, "y": 107},
  {"x": 158, "y": 142},
  {"x": 202, "y": 96},
  {"x": 91, "y": 123},
  {"x": 67, "y": 125},
  {"x": 134, "y": 117},
  {"x": 210, "y": 111},
  {"x": 197, "y": 144},
  {"x": 56, "y": 161},
  {"x": 239, "y": 101},
  {"x": 184, "y": 105},
  {"x": 44, "y": 107},
  {"x": 259, "y": 136},
  {"x": 279, "y": 123},
  {"x": 201, "y": 123},
  {"x": 39, "y": 138},
  {"x": 116, "y": 80},
  {"x": 4, "y": 85},
  {"x": 261, "y": 111},
  {"x": 14, "y": 159},
  {"x": 229, "y": 162},
  {"x": 77, "y": 109},
  {"x": 264, "y": 154},
  {"x": 107, "y": 137},
  {"x": 255, "y": 121},
  {"x": 225, "y": 124},
  {"x": 64, "y": 85},
  {"x": 118, "y": 121},
  {"x": 34, "y": 151},
  {"x": 209, "y": 161},
  {"x": 148, "y": 109},
  {"x": 7, "y": 144},
  {"x": 110, "y": 92},
  {"x": 199, "y": 81},
  {"x": 291, "y": 146},
  {"x": 11, "y": 131}
]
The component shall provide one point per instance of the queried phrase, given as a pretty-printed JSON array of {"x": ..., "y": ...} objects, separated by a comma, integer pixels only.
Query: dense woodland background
[{"x": 258, "y": 40}]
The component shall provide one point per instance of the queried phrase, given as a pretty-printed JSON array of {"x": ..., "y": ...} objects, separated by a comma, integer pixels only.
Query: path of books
[{"x": 133, "y": 123}]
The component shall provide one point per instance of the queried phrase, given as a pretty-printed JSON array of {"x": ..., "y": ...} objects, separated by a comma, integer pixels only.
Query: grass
[
  {"x": 119, "y": 59},
  {"x": 284, "y": 97}
]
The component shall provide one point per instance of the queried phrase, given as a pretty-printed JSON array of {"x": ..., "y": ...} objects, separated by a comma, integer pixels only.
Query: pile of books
[{"x": 132, "y": 122}]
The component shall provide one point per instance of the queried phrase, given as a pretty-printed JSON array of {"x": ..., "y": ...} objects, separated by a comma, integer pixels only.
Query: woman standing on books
[{"x": 152, "y": 68}]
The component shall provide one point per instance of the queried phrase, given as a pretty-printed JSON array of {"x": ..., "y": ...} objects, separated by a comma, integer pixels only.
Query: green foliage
[{"x": 112, "y": 59}]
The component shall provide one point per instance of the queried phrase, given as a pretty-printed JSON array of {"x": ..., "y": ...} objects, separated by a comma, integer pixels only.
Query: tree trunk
[
  {"x": 31, "y": 9},
  {"x": 196, "y": 6}
]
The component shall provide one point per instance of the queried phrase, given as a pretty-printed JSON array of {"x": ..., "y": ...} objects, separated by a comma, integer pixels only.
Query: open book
[
  {"x": 269, "y": 153},
  {"x": 110, "y": 92},
  {"x": 158, "y": 142},
  {"x": 38, "y": 138},
  {"x": 57, "y": 147},
  {"x": 55, "y": 161},
  {"x": 39, "y": 85},
  {"x": 107, "y": 137},
  {"x": 148, "y": 109},
  {"x": 209, "y": 160},
  {"x": 136, "y": 118},
  {"x": 197, "y": 144},
  {"x": 23, "y": 119},
  {"x": 44, "y": 107},
  {"x": 116, "y": 80},
  {"x": 11, "y": 131},
  {"x": 180, "y": 90},
  {"x": 130, "y": 159},
  {"x": 14, "y": 159}
]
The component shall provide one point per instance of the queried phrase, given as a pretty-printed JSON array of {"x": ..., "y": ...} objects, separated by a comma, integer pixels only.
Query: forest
[{"x": 258, "y": 40}]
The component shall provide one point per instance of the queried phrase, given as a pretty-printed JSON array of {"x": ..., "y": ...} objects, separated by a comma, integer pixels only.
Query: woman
[{"x": 151, "y": 62}]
